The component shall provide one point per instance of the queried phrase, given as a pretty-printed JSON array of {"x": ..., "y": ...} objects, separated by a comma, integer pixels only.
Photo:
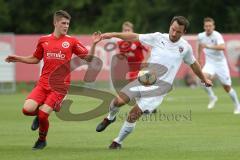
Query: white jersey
[
  {"x": 167, "y": 53},
  {"x": 215, "y": 38}
]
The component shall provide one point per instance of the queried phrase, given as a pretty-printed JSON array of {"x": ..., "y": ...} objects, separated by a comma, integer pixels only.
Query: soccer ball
[{"x": 147, "y": 78}]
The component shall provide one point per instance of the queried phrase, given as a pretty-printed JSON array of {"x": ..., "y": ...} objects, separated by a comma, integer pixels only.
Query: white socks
[
  {"x": 113, "y": 110},
  {"x": 210, "y": 92},
  {"x": 126, "y": 129},
  {"x": 234, "y": 97}
]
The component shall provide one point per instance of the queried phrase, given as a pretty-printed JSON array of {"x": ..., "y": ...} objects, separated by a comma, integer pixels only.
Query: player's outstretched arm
[
  {"x": 22, "y": 59},
  {"x": 124, "y": 36},
  {"x": 197, "y": 70},
  {"x": 96, "y": 36},
  {"x": 214, "y": 47}
]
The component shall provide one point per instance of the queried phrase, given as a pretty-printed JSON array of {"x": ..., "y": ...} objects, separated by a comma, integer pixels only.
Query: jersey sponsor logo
[
  {"x": 53, "y": 55},
  {"x": 65, "y": 44}
]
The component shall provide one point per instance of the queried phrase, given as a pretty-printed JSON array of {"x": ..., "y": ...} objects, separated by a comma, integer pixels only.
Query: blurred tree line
[{"x": 33, "y": 16}]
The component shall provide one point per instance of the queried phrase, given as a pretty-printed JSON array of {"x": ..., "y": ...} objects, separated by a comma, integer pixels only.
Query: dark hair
[
  {"x": 61, "y": 14},
  {"x": 181, "y": 21},
  {"x": 208, "y": 19}
]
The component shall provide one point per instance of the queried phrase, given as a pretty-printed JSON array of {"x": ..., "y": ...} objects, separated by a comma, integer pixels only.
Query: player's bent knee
[
  {"x": 29, "y": 109},
  {"x": 25, "y": 111},
  {"x": 227, "y": 88},
  {"x": 121, "y": 99},
  {"x": 45, "y": 108},
  {"x": 30, "y": 105},
  {"x": 29, "y": 112},
  {"x": 117, "y": 102}
]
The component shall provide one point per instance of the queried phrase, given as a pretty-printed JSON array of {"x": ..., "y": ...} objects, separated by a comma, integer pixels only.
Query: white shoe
[
  {"x": 212, "y": 102},
  {"x": 237, "y": 110}
]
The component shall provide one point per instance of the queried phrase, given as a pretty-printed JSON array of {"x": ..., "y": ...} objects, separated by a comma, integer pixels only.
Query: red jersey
[
  {"x": 134, "y": 51},
  {"x": 56, "y": 52}
]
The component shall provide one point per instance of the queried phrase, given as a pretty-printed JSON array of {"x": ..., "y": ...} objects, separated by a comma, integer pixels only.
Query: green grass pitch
[{"x": 191, "y": 132}]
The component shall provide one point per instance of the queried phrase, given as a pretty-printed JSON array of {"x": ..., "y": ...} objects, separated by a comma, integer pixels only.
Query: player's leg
[
  {"x": 34, "y": 99},
  {"x": 52, "y": 102},
  {"x": 233, "y": 94},
  {"x": 30, "y": 107},
  {"x": 127, "y": 127},
  {"x": 224, "y": 77},
  {"x": 116, "y": 103},
  {"x": 119, "y": 101},
  {"x": 144, "y": 105},
  {"x": 43, "y": 114},
  {"x": 209, "y": 72},
  {"x": 212, "y": 97}
]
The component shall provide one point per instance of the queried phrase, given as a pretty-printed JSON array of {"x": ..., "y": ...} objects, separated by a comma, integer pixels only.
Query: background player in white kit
[
  {"x": 212, "y": 44},
  {"x": 168, "y": 51}
]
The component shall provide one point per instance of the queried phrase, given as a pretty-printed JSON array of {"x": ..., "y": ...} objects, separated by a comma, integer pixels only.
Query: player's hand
[
  {"x": 107, "y": 35},
  {"x": 11, "y": 58},
  {"x": 208, "y": 83},
  {"x": 97, "y": 37}
]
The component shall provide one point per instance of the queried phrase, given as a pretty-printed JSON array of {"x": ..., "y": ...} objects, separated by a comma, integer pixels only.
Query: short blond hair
[
  {"x": 208, "y": 19},
  {"x": 127, "y": 24}
]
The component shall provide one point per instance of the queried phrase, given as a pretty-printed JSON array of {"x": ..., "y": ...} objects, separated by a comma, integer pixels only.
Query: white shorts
[
  {"x": 147, "y": 98},
  {"x": 149, "y": 104},
  {"x": 219, "y": 69}
]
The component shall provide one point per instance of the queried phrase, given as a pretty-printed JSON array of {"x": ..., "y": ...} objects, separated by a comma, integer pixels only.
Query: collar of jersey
[{"x": 58, "y": 37}]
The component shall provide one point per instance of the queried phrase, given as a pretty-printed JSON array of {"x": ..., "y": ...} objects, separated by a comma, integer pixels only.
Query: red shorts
[
  {"x": 132, "y": 75},
  {"x": 48, "y": 97}
]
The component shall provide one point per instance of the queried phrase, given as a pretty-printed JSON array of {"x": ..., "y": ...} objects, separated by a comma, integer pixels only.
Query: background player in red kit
[
  {"x": 135, "y": 52},
  {"x": 55, "y": 49}
]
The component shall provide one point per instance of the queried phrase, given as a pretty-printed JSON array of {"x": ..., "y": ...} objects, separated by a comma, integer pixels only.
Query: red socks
[{"x": 43, "y": 125}]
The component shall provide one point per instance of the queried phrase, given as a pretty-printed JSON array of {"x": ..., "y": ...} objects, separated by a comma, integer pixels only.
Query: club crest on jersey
[
  {"x": 65, "y": 44},
  {"x": 133, "y": 46},
  {"x": 213, "y": 41},
  {"x": 180, "y": 49}
]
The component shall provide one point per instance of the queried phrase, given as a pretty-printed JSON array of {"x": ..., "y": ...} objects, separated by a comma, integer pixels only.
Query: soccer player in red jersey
[
  {"x": 55, "y": 50},
  {"x": 135, "y": 52}
]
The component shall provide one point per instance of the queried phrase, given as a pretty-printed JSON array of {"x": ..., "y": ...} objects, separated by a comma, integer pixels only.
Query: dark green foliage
[{"x": 32, "y": 16}]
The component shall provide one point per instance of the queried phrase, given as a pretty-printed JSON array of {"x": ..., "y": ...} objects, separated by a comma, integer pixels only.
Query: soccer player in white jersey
[
  {"x": 212, "y": 44},
  {"x": 167, "y": 51}
]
